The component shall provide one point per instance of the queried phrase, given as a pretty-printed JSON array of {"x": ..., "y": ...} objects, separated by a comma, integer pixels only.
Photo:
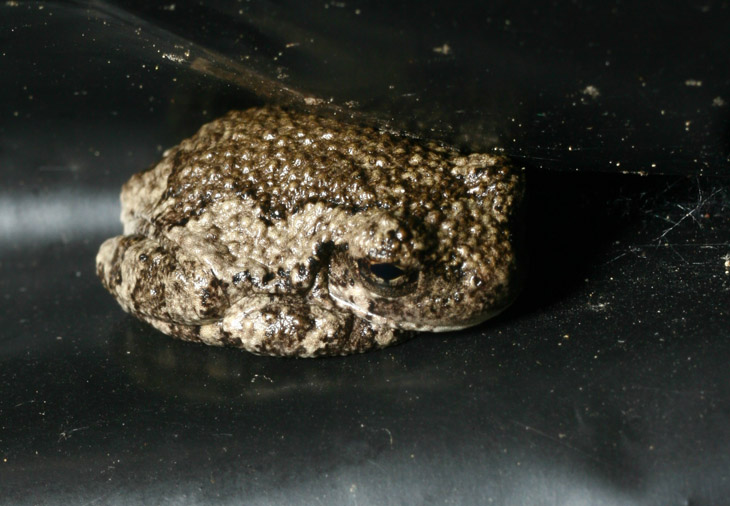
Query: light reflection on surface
[{"x": 65, "y": 214}]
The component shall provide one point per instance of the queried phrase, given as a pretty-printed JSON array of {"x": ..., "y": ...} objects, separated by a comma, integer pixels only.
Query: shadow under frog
[{"x": 204, "y": 374}]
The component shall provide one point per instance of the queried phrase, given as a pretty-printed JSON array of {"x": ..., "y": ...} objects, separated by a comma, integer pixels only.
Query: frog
[{"x": 289, "y": 233}]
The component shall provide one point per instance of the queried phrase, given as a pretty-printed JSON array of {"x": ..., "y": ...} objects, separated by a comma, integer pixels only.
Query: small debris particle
[
  {"x": 443, "y": 49},
  {"x": 591, "y": 91},
  {"x": 173, "y": 57}
]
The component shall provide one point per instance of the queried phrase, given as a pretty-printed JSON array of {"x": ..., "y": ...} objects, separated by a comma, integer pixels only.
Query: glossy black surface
[
  {"x": 606, "y": 382},
  {"x": 610, "y": 86}
]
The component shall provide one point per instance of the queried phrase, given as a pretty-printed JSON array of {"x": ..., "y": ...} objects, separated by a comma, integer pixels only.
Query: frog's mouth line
[{"x": 413, "y": 326}]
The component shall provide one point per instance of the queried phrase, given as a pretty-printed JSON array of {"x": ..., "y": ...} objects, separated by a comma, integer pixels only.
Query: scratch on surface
[
  {"x": 699, "y": 393},
  {"x": 390, "y": 436},
  {"x": 95, "y": 500},
  {"x": 372, "y": 462},
  {"x": 64, "y": 435},
  {"x": 689, "y": 213},
  {"x": 636, "y": 250},
  {"x": 558, "y": 441}
]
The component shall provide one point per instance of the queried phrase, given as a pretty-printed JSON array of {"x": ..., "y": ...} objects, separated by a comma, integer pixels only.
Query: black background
[{"x": 606, "y": 382}]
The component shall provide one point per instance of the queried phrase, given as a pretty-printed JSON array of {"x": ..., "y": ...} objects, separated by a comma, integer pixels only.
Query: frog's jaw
[
  {"x": 457, "y": 326},
  {"x": 364, "y": 314},
  {"x": 407, "y": 324}
]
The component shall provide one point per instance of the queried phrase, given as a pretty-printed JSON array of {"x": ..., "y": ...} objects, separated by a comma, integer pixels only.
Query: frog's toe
[{"x": 152, "y": 281}]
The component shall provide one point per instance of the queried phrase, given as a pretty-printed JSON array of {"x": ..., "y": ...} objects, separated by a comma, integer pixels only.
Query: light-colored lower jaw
[
  {"x": 446, "y": 326},
  {"x": 414, "y": 326}
]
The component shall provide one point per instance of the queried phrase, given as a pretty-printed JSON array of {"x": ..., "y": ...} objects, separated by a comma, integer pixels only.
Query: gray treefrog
[{"x": 291, "y": 234}]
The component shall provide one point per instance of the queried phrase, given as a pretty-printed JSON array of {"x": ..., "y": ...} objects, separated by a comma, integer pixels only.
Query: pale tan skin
[{"x": 294, "y": 235}]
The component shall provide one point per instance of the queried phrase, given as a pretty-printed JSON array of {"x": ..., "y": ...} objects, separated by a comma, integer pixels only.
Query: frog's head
[{"x": 438, "y": 269}]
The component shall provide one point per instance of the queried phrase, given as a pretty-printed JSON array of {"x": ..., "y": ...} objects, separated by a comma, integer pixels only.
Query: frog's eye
[{"x": 387, "y": 279}]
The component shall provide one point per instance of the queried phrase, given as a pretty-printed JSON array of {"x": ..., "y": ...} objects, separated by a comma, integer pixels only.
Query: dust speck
[
  {"x": 591, "y": 91},
  {"x": 443, "y": 49},
  {"x": 173, "y": 57}
]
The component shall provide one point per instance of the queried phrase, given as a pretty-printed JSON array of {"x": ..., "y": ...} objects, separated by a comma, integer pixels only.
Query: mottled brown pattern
[
  {"x": 283, "y": 161},
  {"x": 258, "y": 232}
]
